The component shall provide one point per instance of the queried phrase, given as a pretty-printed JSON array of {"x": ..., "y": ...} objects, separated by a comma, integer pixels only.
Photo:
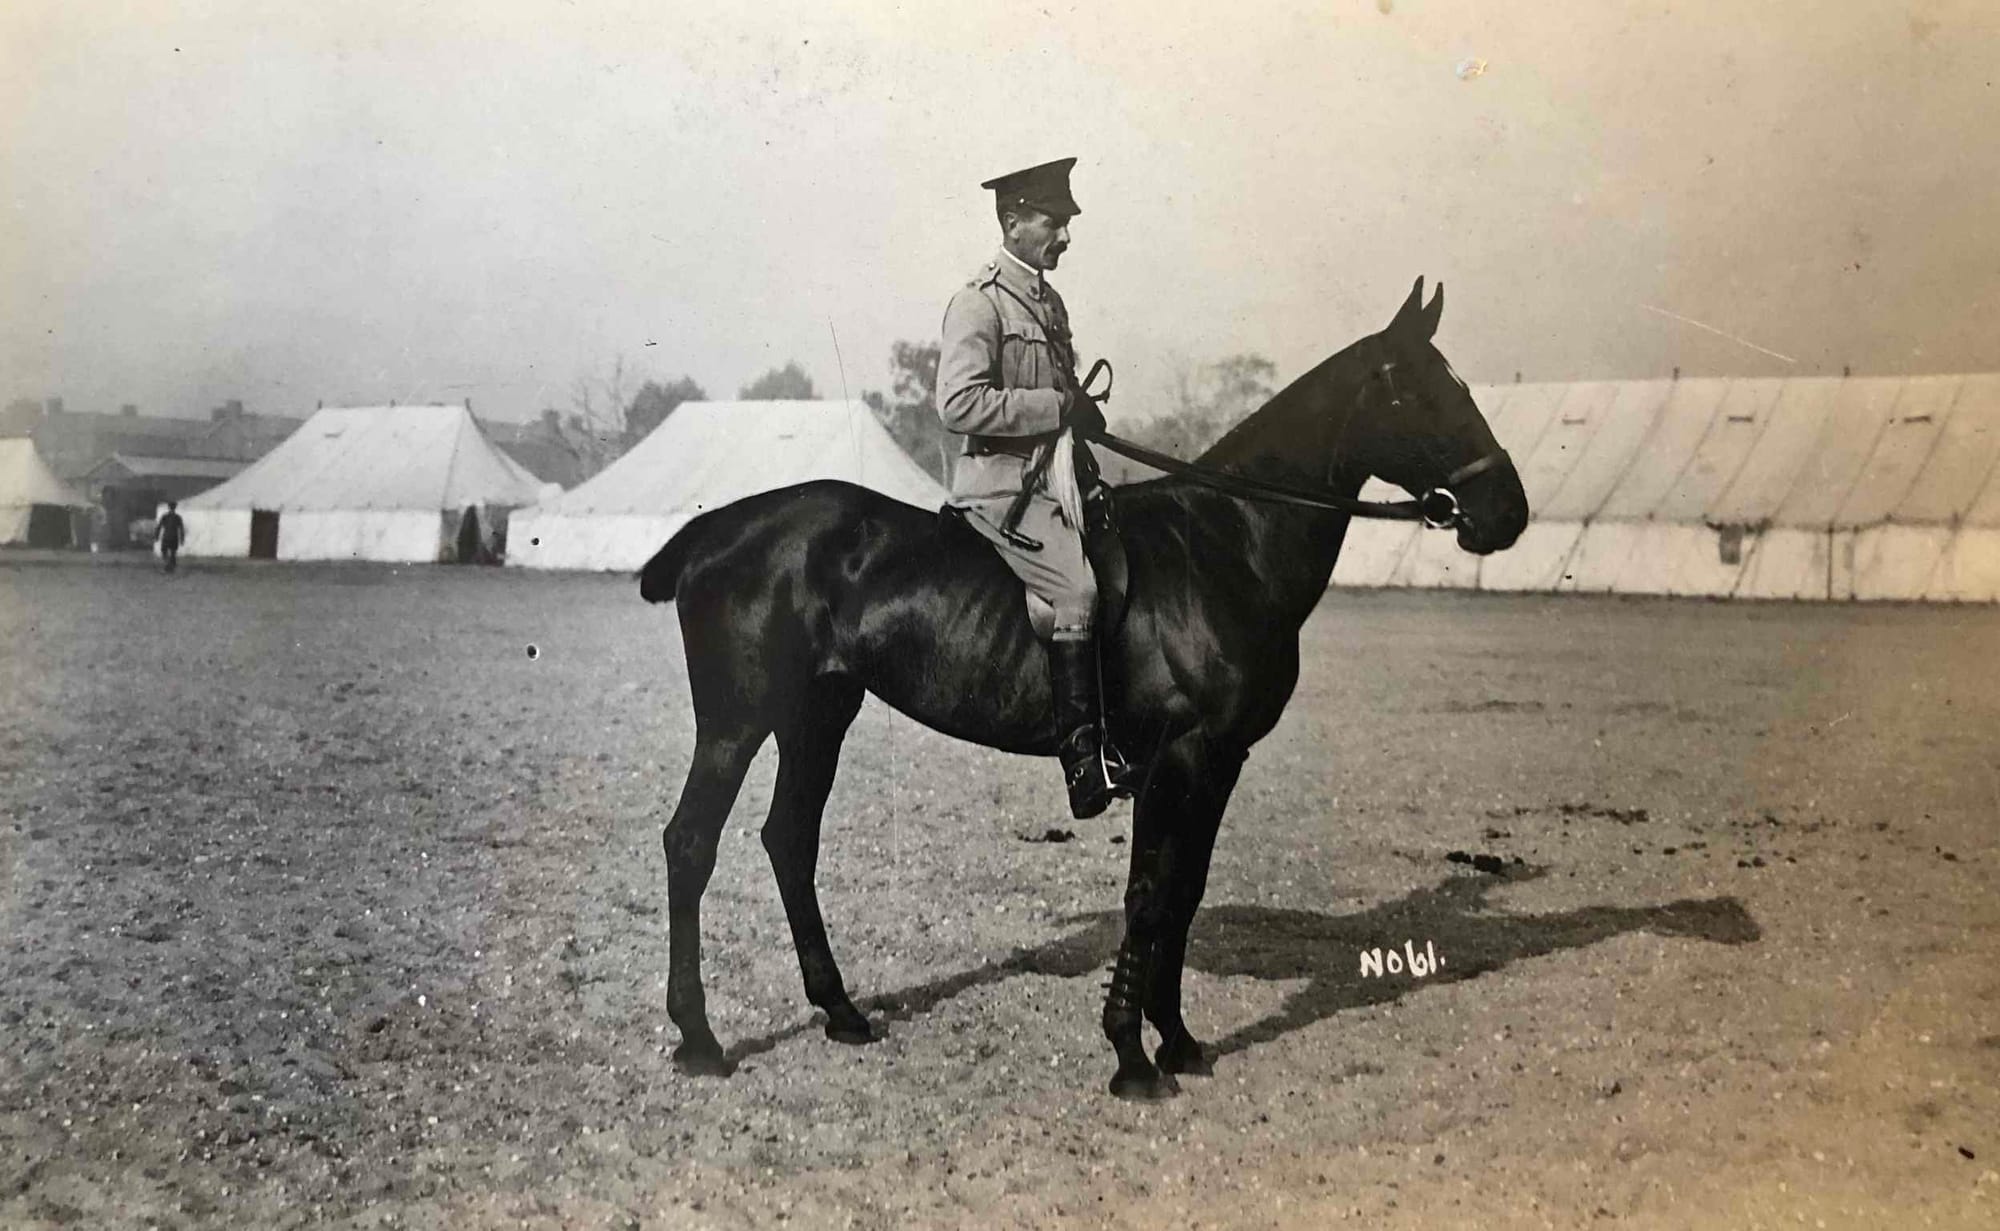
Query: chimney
[
  {"x": 552, "y": 420},
  {"x": 130, "y": 410},
  {"x": 53, "y": 406}
]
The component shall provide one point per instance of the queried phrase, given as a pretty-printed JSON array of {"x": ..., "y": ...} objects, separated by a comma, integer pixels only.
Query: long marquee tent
[
  {"x": 1811, "y": 488},
  {"x": 705, "y": 455},
  {"x": 404, "y": 484}
]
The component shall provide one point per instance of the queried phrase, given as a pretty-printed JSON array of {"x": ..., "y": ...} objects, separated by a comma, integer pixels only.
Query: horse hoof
[
  {"x": 698, "y": 1061},
  {"x": 853, "y": 1036},
  {"x": 849, "y": 1026},
  {"x": 1185, "y": 1056},
  {"x": 1146, "y": 1087}
]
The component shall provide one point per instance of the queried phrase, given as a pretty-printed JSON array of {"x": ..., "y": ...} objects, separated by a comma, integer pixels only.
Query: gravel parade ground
[{"x": 333, "y": 896}]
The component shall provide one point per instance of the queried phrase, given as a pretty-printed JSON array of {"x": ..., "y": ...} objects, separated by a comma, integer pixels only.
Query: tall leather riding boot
[{"x": 1073, "y": 680}]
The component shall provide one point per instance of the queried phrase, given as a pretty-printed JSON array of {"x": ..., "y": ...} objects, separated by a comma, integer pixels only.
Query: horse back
[{"x": 831, "y": 579}]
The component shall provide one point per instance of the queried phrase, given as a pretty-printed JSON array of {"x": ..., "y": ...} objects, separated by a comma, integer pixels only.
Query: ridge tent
[
  {"x": 1881, "y": 487},
  {"x": 37, "y": 509},
  {"x": 706, "y": 455},
  {"x": 398, "y": 484}
]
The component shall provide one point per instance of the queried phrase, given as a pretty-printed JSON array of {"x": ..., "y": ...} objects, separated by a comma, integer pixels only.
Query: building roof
[
  {"x": 544, "y": 448},
  {"x": 74, "y": 442},
  {"x": 139, "y": 467}
]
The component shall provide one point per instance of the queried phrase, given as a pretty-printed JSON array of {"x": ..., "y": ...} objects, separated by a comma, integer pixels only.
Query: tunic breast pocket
[{"x": 1024, "y": 358}]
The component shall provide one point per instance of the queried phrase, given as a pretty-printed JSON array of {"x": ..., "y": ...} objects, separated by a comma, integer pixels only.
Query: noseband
[{"x": 1439, "y": 505}]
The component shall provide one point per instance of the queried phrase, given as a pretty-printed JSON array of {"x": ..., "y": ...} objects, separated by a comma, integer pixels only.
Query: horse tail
[{"x": 662, "y": 575}]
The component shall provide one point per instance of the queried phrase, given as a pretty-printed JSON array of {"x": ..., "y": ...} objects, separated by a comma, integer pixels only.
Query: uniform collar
[{"x": 1020, "y": 275}]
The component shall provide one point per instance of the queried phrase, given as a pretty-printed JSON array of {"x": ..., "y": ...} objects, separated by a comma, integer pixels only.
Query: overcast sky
[{"x": 361, "y": 202}]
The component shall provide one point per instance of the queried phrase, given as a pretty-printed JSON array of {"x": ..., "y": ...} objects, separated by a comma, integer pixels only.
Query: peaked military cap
[{"x": 1045, "y": 188}]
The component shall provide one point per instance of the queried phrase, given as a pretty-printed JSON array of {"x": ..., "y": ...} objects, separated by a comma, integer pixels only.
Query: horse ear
[
  {"x": 1413, "y": 307},
  {"x": 1432, "y": 313}
]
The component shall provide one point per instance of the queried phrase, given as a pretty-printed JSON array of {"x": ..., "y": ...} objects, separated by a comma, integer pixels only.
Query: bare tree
[
  {"x": 599, "y": 408},
  {"x": 1208, "y": 400}
]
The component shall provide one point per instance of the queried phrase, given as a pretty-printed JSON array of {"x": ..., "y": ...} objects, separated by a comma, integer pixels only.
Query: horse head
[{"x": 1419, "y": 428}]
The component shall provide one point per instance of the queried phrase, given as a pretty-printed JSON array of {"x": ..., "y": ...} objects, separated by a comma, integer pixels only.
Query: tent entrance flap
[
  {"x": 263, "y": 534},
  {"x": 466, "y": 542}
]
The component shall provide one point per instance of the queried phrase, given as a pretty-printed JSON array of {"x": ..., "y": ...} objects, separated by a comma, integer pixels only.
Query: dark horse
[{"x": 795, "y": 603}]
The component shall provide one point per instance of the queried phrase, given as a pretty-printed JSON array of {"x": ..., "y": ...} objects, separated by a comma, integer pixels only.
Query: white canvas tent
[
  {"x": 405, "y": 484},
  {"x": 1809, "y": 488},
  {"x": 36, "y": 508},
  {"x": 706, "y": 455}
]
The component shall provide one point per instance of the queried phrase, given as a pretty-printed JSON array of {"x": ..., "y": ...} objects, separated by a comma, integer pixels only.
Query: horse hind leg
[
  {"x": 808, "y": 756},
  {"x": 690, "y": 838}
]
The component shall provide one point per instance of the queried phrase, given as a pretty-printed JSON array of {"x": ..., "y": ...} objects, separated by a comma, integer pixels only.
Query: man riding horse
[
  {"x": 797, "y": 604},
  {"x": 1007, "y": 383}
]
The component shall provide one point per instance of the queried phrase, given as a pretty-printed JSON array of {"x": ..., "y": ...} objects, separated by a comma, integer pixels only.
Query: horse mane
[{"x": 1267, "y": 438}]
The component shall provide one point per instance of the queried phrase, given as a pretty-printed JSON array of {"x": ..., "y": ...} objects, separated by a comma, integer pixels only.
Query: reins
[{"x": 1436, "y": 508}]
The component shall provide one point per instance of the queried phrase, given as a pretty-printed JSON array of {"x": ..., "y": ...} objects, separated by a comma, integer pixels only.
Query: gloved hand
[{"x": 1081, "y": 411}]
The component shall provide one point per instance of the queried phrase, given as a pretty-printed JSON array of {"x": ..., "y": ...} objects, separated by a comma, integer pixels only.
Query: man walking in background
[{"x": 169, "y": 534}]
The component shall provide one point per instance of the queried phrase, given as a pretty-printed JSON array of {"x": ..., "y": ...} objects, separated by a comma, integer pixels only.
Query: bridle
[
  {"x": 1439, "y": 503},
  {"x": 1437, "y": 507}
]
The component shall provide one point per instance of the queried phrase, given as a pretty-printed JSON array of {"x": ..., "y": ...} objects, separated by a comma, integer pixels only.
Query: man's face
[{"x": 1038, "y": 239}]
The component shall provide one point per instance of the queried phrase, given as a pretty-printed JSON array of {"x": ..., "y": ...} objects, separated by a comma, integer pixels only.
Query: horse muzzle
[{"x": 1492, "y": 511}]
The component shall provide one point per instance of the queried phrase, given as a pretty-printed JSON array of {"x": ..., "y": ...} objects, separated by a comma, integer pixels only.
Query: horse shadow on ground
[{"x": 1323, "y": 950}]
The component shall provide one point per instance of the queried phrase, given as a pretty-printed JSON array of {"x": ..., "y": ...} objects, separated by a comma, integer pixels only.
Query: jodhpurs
[{"x": 1059, "y": 574}]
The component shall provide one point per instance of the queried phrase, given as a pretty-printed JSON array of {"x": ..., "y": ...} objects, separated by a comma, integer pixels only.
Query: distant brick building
[
  {"x": 126, "y": 463},
  {"x": 553, "y": 451}
]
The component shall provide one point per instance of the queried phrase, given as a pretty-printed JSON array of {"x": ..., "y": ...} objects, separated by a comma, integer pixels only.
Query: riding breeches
[{"x": 1059, "y": 574}]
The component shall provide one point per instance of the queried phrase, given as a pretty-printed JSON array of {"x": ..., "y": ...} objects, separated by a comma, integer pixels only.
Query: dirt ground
[{"x": 324, "y": 901}]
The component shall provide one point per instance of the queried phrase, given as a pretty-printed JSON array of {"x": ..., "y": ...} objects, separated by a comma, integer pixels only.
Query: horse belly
[{"x": 958, "y": 656}]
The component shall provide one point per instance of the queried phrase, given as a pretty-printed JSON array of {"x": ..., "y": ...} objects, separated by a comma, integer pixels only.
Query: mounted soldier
[
  {"x": 795, "y": 605},
  {"x": 1007, "y": 383}
]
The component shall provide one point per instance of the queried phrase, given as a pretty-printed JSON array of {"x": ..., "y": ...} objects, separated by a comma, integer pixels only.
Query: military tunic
[{"x": 1004, "y": 364}]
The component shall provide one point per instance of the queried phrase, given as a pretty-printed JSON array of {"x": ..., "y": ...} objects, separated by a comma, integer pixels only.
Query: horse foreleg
[
  {"x": 1136, "y": 1078},
  {"x": 1203, "y": 788},
  {"x": 690, "y": 840},
  {"x": 1125, "y": 1000},
  {"x": 1174, "y": 828},
  {"x": 808, "y": 755}
]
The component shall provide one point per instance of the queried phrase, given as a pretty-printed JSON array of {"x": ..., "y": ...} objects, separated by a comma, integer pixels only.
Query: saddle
[{"x": 1102, "y": 546}]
